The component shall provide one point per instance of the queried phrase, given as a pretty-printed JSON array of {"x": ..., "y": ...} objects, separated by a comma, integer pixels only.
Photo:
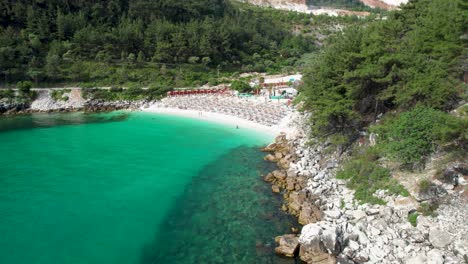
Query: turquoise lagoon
[{"x": 134, "y": 187}]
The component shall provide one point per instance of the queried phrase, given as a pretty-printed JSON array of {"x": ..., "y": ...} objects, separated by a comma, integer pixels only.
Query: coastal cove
[{"x": 135, "y": 187}]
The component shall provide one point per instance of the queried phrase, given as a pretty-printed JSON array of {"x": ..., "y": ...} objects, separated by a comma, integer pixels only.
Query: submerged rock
[{"x": 288, "y": 245}]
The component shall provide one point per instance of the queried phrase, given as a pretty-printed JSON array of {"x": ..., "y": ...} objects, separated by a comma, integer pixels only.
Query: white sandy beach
[{"x": 219, "y": 118}]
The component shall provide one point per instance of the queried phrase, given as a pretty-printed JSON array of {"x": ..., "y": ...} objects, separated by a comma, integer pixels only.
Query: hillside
[
  {"x": 331, "y": 7},
  {"x": 171, "y": 43}
]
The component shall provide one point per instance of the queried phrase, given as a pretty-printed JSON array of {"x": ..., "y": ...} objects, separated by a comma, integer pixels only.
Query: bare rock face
[
  {"x": 319, "y": 243},
  {"x": 384, "y": 4},
  {"x": 439, "y": 238},
  {"x": 288, "y": 245}
]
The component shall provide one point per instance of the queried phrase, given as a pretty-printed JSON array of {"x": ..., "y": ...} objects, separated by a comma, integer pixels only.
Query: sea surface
[{"x": 132, "y": 187}]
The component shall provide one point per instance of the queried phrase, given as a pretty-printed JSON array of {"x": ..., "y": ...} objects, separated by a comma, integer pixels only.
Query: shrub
[
  {"x": 413, "y": 135},
  {"x": 24, "y": 87},
  {"x": 241, "y": 86},
  {"x": 424, "y": 185},
  {"x": 412, "y": 218},
  {"x": 366, "y": 177},
  {"x": 428, "y": 208},
  {"x": 7, "y": 94}
]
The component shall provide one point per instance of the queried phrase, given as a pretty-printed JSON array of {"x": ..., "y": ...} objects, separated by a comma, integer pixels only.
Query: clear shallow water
[{"x": 134, "y": 188}]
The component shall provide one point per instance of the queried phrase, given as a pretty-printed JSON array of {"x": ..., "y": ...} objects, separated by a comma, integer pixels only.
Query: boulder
[
  {"x": 283, "y": 163},
  {"x": 278, "y": 155},
  {"x": 357, "y": 214},
  {"x": 270, "y": 157},
  {"x": 310, "y": 238},
  {"x": 361, "y": 257},
  {"x": 275, "y": 188},
  {"x": 309, "y": 214},
  {"x": 279, "y": 175},
  {"x": 461, "y": 248},
  {"x": 419, "y": 259},
  {"x": 333, "y": 214},
  {"x": 435, "y": 256},
  {"x": 331, "y": 239},
  {"x": 376, "y": 253},
  {"x": 269, "y": 148},
  {"x": 453, "y": 173},
  {"x": 288, "y": 245},
  {"x": 294, "y": 207},
  {"x": 439, "y": 238},
  {"x": 422, "y": 222},
  {"x": 269, "y": 177},
  {"x": 406, "y": 203},
  {"x": 281, "y": 138},
  {"x": 290, "y": 184}
]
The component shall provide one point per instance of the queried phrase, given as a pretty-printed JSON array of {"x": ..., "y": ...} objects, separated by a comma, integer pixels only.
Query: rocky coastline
[
  {"x": 338, "y": 229},
  {"x": 44, "y": 103}
]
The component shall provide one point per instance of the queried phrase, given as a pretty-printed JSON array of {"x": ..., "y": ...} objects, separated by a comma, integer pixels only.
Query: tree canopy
[
  {"x": 414, "y": 56},
  {"x": 49, "y": 40}
]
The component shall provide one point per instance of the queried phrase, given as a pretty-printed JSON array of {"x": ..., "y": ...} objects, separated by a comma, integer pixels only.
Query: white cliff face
[
  {"x": 395, "y": 2},
  {"x": 301, "y": 6}
]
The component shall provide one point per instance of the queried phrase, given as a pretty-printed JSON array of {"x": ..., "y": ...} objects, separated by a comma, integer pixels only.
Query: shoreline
[{"x": 220, "y": 118}]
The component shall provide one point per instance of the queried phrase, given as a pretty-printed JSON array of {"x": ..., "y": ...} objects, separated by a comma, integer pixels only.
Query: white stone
[
  {"x": 358, "y": 214},
  {"x": 375, "y": 231},
  {"x": 334, "y": 214},
  {"x": 376, "y": 253},
  {"x": 353, "y": 245},
  {"x": 435, "y": 256},
  {"x": 310, "y": 232},
  {"x": 372, "y": 211},
  {"x": 419, "y": 259},
  {"x": 439, "y": 238}
]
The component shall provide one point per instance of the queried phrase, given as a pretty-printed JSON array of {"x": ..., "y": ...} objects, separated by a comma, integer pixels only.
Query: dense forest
[
  {"x": 73, "y": 40},
  {"x": 412, "y": 57}
]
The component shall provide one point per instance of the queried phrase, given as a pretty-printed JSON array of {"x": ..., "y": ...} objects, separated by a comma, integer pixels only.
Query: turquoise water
[{"x": 134, "y": 188}]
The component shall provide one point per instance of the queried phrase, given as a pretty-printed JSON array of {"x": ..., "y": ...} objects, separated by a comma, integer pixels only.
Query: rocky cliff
[
  {"x": 305, "y": 6},
  {"x": 64, "y": 100},
  {"x": 339, "y": 229}
]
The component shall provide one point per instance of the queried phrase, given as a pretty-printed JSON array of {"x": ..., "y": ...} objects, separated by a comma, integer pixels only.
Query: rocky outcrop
[
  {"x": 73, "y": 101},
  {"x": 7, "y": 108},
  {"x": 303, "y": 6},
  {"x": 384, "y": 4},
  {"x": 339, "y": 229},
  {"x": 288, "y": 245}
]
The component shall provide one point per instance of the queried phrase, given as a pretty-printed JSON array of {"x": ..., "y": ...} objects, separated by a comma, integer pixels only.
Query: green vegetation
[
  {"x": 241, "y": 86},
  {"x": 366, "y": 176},
  {"x": 183, "y": 41},
  {"x": 58, "y": 95},
  {"x": 130, "y": 94},
  {"x": 413, "y": 57},
  {"x": 413, "y": 218},
  {"x": 23, "y": 95},
  {"x": 342, "y": 204},
  {"x": 348, "y": 4},
  {"x": 424, "y": 186},
  {"x": 428, "y": 208},
  {"x": 413, "y": 135}
]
